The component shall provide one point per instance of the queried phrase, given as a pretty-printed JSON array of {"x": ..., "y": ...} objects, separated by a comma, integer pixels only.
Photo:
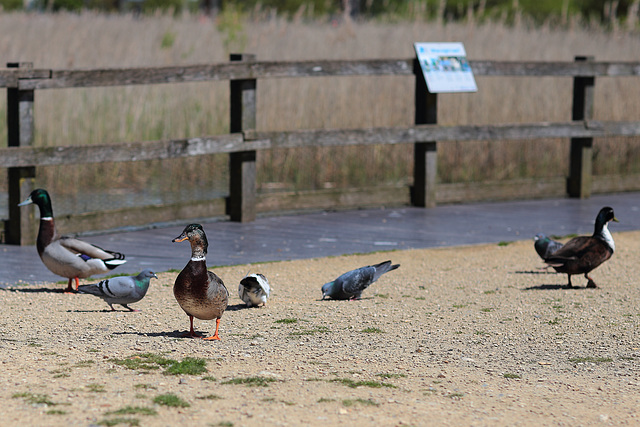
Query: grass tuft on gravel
[
  {"x": 368, "y": 383},
  {"x": 118, "y": 421},
  {"x": 251, "y": 381},
  {"x": 171, "y": 400},
  {"x": 133, "y": 410},
  {"x": 36, "y": 399},
  {"x": 150, "y": 361}
]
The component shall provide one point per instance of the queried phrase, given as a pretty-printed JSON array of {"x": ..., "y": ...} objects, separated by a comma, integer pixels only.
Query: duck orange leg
[
  {"x": 192, "y": 332},
  {"x": 69, "y": 289},
  {"x": 215, "y": 336}
]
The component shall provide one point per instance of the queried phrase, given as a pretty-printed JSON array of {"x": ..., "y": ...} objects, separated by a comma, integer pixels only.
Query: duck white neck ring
[{"x": 198, "y": 258}]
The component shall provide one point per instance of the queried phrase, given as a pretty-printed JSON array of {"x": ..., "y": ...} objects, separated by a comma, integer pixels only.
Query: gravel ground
[{"x": 476, "y": 335}]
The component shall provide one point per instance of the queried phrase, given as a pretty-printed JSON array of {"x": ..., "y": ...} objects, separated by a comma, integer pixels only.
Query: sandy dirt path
[{"x": 473, "y": 335}]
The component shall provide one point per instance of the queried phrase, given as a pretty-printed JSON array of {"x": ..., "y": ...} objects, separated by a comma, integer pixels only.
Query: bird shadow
[
  {"x": 35, "y": 290},
  {"x": 549, "y": 287},
  {"x": 236, "y": 307},
  {"x": 172, "y": 334},
  {"x": 106, "y": 310}
]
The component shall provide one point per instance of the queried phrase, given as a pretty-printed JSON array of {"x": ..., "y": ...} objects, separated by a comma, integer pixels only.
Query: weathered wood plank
[
  {"x": 51, "y": 79},
  {"x": 254, "y": 140},
  {"x": 332, "y": 199},
  {"x": 125, "y": 152},
  {"x": 554, "y": 68},
  {"x": 407, "y": 135}
]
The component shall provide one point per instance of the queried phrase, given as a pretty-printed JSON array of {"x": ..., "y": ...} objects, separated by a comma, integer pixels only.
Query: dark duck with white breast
[{"x": 582, "y": 254}]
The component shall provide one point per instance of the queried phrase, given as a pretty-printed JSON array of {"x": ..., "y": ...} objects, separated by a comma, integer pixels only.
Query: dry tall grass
[{"x": 104, "y": 115}]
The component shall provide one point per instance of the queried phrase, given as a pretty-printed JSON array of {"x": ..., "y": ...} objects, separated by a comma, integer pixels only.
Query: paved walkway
[{"x": 338, "y": 233}]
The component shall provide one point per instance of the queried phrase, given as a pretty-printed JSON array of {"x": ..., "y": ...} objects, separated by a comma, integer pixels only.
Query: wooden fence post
[
  {"x": 21, "y": 227},
  {"x": 241, "y": 204},
  {"x": 425, "y": 154},
  {"x": 581, "y": 155}
]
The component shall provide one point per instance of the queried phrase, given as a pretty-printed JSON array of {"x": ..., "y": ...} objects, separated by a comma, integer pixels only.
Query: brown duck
[
  {"x": 199, "y": 292},
  {"x": 582, "y": 254},
  {"x": 67, "y": 256}
]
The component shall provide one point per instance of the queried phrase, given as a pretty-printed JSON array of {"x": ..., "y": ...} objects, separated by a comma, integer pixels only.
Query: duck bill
[
  {"x": 28, "y": 201},
  {"x": 180, "y": 238},
  {"x": 615, "y": 219}
]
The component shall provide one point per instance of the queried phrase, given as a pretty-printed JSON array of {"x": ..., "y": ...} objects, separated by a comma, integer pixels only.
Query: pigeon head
[
  {"x": 147, "y": 274},
  {"x": 327, "y": 288}
]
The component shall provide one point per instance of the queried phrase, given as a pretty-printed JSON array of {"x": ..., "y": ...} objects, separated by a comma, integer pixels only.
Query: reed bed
[{"x": 107, "y": 115}]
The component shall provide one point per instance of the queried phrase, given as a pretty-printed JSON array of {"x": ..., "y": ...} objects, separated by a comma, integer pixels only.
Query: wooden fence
[{"x": 22, "y": 159}]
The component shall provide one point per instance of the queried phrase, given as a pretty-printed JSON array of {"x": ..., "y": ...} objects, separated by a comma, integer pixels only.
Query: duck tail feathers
[{"x": 113, "y": 263}]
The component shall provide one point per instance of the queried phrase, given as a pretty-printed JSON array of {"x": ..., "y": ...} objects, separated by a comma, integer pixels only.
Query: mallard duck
[
  {"x": 121, "y": 290},
  {"x": 582, "y": 254},
  {"x": 351, "y": 284},
  {"x": 254, "y": 290},
  {"x": 199, "y": 292},
  {"x": 544, "y": 246},
  {"x": 64, "y": 255}
]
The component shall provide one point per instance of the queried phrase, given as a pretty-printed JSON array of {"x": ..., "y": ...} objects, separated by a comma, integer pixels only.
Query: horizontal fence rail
[
  {"x": 30, "y": 79},
  {"x": 254, "y": 140},
  {"x": 22, "y": 159}
]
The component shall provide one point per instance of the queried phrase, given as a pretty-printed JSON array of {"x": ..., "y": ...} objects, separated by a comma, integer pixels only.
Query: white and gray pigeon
[
  {"x": 254, "y": 290},
  {"x": 544, "y": 246},
  {"x": 121, "y": 290},
  {"x": 351, "y": 284}
]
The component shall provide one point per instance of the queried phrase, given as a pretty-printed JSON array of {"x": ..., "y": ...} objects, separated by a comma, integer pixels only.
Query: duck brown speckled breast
[{"x": 200, "y": 293}]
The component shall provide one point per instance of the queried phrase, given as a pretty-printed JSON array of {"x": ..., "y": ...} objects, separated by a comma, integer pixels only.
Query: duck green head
[{"x": 42, "y": 199}]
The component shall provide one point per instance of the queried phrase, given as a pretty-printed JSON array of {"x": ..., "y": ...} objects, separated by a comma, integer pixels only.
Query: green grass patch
[
  {"x": 133, "y": 410},
  {"x": 84, "y": 363},
  {"x": 209, "y": 378},
  {"x": 119, "y": 420},
  {"x": 95, "y": 388},
  {"x": 317, "y": 330},
  {"x": 504, "y": 243},
  {"x": 145, "y": 386},
  {"x": 365, "y": 402},
  {"x": 387, "y": 376},
  {"x": 555, "y": 321},
  {"x": 486, "y": 310},
  {"x": 368, "y": 383},
  {"x": 209, "y": 397},
  {"x": 56, "y": 412},
  {"x": 171, "y": 400},
  {"x": 371, "y": 330},
  {"x": 590, "y": 359},
  {"x": 251, "y": 381},
  {"x": 36, "y": 399},
  {"x": 512, "y": 376},
  {"x": 382, "y": 295},
  {"x": 150, "y": 361}
]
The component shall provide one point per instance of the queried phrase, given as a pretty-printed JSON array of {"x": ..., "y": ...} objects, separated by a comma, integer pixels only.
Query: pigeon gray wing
[{"x": 356, "y": 281}]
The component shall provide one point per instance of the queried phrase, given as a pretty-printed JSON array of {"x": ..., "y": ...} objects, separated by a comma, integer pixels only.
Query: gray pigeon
[
  {"x": 351, "y": 284},
  {"x": 121, "y": 290},
  {"x": 254, "y": 290},
  {"x": 544, "y": 246}
]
